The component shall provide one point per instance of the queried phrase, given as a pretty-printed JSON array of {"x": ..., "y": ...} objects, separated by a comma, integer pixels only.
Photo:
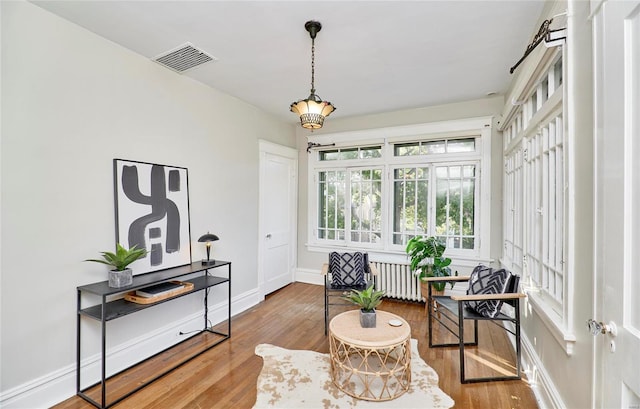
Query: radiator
[{"x": 397, "y": 281}]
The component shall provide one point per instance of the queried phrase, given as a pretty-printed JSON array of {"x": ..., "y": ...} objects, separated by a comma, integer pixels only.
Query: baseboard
[
  {"x": 539, "y": 379},
  {"x": 57, "y": 386},
  {"x": 309, "y": 276}
]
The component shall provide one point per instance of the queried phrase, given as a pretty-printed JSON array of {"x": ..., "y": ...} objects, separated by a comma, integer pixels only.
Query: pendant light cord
[{"x": 313, "y": 65}]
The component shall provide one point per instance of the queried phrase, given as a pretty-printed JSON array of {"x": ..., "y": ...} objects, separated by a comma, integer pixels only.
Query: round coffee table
[{"x": 370, "y": 363}]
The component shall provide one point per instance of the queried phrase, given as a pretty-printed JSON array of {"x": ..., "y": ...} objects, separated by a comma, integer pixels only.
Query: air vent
[{"x": 184, "y": 58}]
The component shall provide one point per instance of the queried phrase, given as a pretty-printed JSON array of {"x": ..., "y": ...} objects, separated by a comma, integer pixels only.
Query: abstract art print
[{"x": 152, "y": 212}]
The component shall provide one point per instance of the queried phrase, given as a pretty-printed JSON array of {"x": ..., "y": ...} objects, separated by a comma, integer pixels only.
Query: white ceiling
[{"x": 371, "y": 56}]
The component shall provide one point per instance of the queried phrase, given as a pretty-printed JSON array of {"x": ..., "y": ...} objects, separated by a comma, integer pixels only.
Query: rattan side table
[{"x": 370, "y": 363}]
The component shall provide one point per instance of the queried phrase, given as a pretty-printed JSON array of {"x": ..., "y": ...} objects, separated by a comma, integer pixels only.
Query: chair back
[
  {"x": 513, "y": 286},
  {"x": 348, "y": 269}
]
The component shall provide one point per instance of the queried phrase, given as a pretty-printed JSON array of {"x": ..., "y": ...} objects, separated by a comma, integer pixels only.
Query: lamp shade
[
  {"x": 312, "y": 111},
  {"x": 208, "y": 237}
]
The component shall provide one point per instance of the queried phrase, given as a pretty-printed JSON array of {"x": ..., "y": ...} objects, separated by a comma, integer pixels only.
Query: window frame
[
  {"x": 480, "y": 128},
  {"x": 522, "y": 123}
]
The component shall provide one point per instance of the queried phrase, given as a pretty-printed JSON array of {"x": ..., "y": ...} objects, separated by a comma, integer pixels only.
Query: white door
[
  {"x": 278, "y": 216},
  {"x": 617, "y": 163}
]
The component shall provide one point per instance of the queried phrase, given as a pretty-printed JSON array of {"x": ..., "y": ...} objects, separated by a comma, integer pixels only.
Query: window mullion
[{"x": 347, "y": 206}]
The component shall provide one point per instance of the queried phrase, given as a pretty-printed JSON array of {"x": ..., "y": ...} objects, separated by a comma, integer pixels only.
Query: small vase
[
  {"x": 367, "y": 319},
  {"x": 122, "y": 278}
]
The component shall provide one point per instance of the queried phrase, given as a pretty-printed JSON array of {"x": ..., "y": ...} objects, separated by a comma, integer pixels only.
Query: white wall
[
  {"x": 71, "y": 102},
  {"x": 309, "y": 263}
]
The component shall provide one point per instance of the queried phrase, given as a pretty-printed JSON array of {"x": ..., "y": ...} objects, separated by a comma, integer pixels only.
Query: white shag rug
[{"x": 300, "y": 379}]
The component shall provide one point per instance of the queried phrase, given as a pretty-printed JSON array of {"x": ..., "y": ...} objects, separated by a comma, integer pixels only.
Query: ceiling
[{"x": 371, "y": 56}]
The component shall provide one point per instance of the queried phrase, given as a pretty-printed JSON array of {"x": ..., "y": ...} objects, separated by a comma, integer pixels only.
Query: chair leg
[
  {"x": 461, "y": 340},
  {"x": 518, "y": 348},
  {"x": 428, "y": 312},
  {"x": 326, "y": 307}
]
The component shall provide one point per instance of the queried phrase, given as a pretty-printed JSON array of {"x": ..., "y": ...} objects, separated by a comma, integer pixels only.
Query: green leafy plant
[
  {"x": 121, "y": 258},
  {"x": 426, "y": 255},
  {"x": 368, "y": 299}
]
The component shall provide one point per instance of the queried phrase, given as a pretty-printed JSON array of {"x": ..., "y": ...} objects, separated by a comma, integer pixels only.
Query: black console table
[{"x": 111, "y": 307}]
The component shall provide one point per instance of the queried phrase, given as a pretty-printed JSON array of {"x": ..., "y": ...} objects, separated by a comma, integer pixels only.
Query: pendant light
[{"x": 312, "y": 110}]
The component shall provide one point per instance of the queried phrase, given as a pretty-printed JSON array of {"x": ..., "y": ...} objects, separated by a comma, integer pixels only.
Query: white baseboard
[
  {"x": 309, "y": 276},
  {"x": 540, "y": 381},
  {"x": 60, "y": 385}
]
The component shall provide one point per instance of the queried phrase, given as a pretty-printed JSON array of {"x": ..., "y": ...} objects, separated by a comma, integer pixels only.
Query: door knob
[
  {"x": 596, "y": 327},
  {"x": 268, "y": 235}
]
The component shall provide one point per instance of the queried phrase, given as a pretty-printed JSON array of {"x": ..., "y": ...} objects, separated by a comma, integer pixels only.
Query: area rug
[{"x": 300, "y": 379}]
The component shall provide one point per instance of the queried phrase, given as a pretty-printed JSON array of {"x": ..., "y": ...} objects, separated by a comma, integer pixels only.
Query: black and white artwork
[{"x": 152, "y": 212}]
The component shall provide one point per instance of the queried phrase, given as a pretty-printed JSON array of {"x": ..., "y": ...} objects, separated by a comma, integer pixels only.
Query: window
[
  {"x": 366, "y": 205},
  {"x": 351, "y": 153},
  {"x": 410, "y": 203},
  {"x": 377, "y": 196},
  {"x": 356, "y": 204},
  {"x": 331, "y": 188},
  {"x": 544, "y": 218},
  {"x": 433, "y": 147},
  {"x": 455, "y": 205},
  {"x": 535, "y": 188}
]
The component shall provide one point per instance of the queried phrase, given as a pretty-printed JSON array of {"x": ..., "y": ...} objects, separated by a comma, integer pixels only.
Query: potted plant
[
  {"x": 120, "y": 276},
  {"x": 368, "y": 299},
  {"x": 426, "y": 255}
]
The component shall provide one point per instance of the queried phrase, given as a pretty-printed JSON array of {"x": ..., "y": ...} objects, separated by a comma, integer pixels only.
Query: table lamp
[{"x": 208, "y": 238}]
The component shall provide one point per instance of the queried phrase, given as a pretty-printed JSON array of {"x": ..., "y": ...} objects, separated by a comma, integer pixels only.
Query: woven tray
[{"x": 131, "y": 296}]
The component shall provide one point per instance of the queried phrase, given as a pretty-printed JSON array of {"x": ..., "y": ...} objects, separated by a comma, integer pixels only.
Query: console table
[{"x": 111, "y": 307}]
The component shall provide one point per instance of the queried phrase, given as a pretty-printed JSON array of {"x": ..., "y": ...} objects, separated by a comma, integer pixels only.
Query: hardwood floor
[{"x": 225, "y": 376}]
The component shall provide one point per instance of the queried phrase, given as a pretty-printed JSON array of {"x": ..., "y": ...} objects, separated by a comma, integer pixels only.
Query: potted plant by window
[
  {"x": 426, "y": 256},
  {"x": 120, "y": 276},
  {"x": 368, "y": 299}
]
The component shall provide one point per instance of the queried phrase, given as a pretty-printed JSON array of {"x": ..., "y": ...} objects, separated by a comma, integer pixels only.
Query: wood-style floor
[{"x": 225, "y": 376}]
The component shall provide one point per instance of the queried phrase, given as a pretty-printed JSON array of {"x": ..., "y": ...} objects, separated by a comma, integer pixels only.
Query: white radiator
[{"x": 397, "y": 281}]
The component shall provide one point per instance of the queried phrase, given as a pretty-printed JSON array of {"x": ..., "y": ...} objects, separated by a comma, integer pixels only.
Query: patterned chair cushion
[
  {"x": 485, "y": 280},
  {"x": 348, "y": 269}
]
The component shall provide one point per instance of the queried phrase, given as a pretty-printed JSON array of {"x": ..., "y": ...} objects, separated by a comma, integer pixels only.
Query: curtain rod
[
  {"x": 317, "y": 145},
  {"x": 544, "y": 33}
]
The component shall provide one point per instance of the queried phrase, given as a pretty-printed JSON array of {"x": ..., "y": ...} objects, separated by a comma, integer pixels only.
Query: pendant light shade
[{"x": 312, "y": 110}]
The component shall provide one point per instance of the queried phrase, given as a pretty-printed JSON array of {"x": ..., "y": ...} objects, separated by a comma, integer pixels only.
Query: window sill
[
  {"x": 394, "y": 256},
  {"x": 550, "y": 318}
]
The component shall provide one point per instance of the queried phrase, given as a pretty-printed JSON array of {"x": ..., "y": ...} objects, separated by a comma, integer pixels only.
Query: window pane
[
  {"x": 468, "y": 222},
  {"x": 455, "y": 205},
  {"x": 557, "y": 73},
  {"x": 351, "y": 153},
  {"x": 371, "y": 152},
  {"x": 329, "y": 155},
  {"x": 410, "y": 203},
  {"x": 434, "y": 147},
  {"x": 461, "y": 145},
  {"x": 442, "y": 208},
  {"x": 406, "y": 149},
  {"x": 331, "y": 190},
  {"x": 366, "y": 205},
  {"x": 469, "y": 171},
  {"x": 468, "y": 243}
]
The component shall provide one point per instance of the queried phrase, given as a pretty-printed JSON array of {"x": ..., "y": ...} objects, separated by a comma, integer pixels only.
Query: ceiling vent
[{"x": 184, "y": 58}]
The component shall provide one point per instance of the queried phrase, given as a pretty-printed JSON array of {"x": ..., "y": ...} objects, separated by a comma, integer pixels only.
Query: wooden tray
[{"x": 131, "y": 296}]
